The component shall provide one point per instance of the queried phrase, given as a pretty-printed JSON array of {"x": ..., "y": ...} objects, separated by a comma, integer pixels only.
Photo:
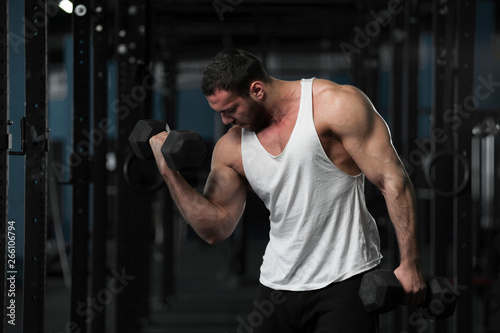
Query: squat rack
[{"x": 35, "y": 149}]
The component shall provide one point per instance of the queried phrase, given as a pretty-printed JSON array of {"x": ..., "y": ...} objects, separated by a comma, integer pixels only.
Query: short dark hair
[{"x": 232, "y": 70}]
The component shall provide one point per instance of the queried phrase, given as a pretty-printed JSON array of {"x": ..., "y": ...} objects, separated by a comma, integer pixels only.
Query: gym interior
[{"x": 91, "y": 240}]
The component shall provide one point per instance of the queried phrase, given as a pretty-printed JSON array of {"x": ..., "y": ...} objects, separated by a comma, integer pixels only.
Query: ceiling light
[{"x": 66, "y": 5}]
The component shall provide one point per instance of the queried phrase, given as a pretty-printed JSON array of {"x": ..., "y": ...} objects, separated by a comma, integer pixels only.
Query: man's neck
[{"x": 282, "y": 98}]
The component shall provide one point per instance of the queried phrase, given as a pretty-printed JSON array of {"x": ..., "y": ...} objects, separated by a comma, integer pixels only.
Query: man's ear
[{"x": 256, "y": 90}]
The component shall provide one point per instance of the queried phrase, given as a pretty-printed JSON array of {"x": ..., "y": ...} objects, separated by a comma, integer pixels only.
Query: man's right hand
[{"x": 156, "y": 142}]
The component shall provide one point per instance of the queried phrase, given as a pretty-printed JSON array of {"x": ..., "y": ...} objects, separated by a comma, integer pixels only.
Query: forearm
[{"x": 401, "y": 205}]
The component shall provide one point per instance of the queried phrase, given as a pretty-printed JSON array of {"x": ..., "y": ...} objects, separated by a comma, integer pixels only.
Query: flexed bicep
[
  {"x": 227, "y": 190},
  {"x": 225, "y": 187}
]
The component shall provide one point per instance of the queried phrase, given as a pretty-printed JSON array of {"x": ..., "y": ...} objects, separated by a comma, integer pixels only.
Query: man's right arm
[{"x": 214, "y": 214}]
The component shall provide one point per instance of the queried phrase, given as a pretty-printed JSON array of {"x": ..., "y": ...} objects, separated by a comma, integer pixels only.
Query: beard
[{"x": 260, "y": 117}]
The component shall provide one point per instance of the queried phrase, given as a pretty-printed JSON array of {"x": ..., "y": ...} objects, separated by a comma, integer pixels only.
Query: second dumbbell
[{"x": 381, "y": 291}]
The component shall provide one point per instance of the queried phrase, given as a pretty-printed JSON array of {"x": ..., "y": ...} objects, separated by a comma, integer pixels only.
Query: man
[{"x": 304, "y": 147}]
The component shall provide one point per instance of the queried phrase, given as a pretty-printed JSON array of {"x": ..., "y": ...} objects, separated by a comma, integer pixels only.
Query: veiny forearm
[
  {"x": 400, "y": 199},
  {"x": 401, "y": 204}
]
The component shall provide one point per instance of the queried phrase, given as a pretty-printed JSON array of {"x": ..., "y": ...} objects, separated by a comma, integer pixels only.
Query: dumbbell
[
  {"x": 181, "y": 149},
  {"x": 381, "y": 291}
]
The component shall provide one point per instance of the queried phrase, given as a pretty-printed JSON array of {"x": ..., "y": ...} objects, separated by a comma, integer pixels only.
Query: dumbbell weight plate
[
  {"x": 140, "y": 135},
  {"x": 183, "y": 149},
  {"x": 141, "y": 175},
  {"x": 441, "y": 299},
  {"x": 380, "y": 291}
]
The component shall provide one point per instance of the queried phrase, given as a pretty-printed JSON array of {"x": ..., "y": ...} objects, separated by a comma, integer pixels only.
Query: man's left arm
[{"x": 366, "y": 138}]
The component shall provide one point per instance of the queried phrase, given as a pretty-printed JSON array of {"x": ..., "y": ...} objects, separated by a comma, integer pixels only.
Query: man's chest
[{"x": 276, "y": 139}]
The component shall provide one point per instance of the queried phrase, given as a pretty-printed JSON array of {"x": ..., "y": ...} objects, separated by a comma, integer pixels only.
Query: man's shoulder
[
  {"x": 329, "y": 91},
  {"x": 336, "y": 101},
  {"x": 232, "y": 138},
  {"x": 338, "y": 108},
  {"x": 229, "y": 144},
  {"x": 228, "y": 149}
]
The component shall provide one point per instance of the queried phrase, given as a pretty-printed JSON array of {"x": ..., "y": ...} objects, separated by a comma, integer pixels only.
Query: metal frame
[
  {"x": 4, "y": 147},
  {"x": 99, "y": 56},
  {"x": 441, "y": 206},
  {"x": 134, "y": 215},
  {"x": 454, "y": 33},
  {"x": 396, "y": 103},
  {"x": 142, "y": 233},
  {"x": 463, "y": 219},
  {"x": 443, "y": 23},
  {"x": 410, "y": 105},
  {"x": 365, "y": 64},
  {"x": 36, "y": 166},
  {"x": 80, "y": 163}
]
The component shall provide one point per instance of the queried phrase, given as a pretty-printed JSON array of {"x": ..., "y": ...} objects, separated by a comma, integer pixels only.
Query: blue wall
[
  {"x": 487, "y": 55},
  {"x": 194, "y": 113},
  {"x": 16, "y": 112}
]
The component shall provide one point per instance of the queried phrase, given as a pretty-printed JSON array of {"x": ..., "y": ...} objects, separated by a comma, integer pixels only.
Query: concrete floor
[{"x": 211, "y": 300}]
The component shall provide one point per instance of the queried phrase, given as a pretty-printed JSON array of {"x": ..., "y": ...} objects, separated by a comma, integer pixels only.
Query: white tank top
[{"x": 321, "y": 231}]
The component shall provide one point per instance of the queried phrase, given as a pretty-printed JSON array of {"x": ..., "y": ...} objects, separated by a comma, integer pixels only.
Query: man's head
[
  {"x": 233, "y": 84},
  {"x": 233, "y": 70}
]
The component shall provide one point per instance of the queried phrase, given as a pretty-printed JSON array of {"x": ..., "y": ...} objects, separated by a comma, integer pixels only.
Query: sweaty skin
[{"x": 353, "y": 135}]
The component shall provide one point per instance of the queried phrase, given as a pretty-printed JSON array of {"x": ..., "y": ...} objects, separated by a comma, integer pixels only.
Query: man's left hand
[{"x": 414, "y": 286}]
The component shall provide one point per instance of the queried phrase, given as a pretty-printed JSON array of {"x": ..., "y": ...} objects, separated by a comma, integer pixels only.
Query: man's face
[{"x": 237, "y": 110}]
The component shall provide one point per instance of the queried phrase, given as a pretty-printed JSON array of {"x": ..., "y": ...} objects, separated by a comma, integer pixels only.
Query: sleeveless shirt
[{"x": 321, "y": 231}]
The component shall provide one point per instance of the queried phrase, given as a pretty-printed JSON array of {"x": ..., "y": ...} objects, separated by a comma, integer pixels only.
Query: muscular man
[{"x": 305, "y": 148}]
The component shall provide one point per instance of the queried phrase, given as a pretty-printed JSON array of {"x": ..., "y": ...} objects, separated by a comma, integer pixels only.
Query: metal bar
[
  {"x": 134, "y": 215},
  {"x": 487, "y": 162},
  {"x": 80, "y": 164},
  {"x": 125, "y": 317},
  {"x": 36, "y": 164},
  {"x": 443, "y": 23},
  {"x": 441, "y": 206},
  {"x": 396, "y": 86},
  {"x": 463, "y": 218},
  {"x": 370, "y": 63},
  {"x": 4, "y": 152},
  {"x": 139, "y": 33},
  {"x": 476, "y": 196},
  {"x": 410, "y": 76},
  {"x": 99, "y": 134}
]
